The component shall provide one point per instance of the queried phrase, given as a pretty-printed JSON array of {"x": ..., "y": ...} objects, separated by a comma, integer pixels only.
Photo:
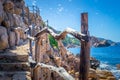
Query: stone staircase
[{"x": 14, "y": 65}]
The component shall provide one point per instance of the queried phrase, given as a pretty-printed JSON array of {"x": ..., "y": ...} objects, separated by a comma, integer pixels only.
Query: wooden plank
[
  {"x": 36, "y": 74},
  {"x": 37, "y": 50},
  {"x": 85, "y": 49},
  {"x": 36, "y": 58}
]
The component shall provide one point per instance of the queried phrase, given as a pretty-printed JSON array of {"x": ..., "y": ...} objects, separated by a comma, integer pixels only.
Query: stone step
[
  {"x": 17, "y": 75},
  {"x": 20, "y": 54},
  {"x": 12, "y": 57},
  {"x": 15, "y": 66}
]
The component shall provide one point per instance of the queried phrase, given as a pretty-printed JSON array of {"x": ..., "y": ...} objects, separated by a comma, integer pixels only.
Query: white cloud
[
  {"x": 96, "y": 13},
  {"x": 41, "y": 9},
  {"x": 60, "y": 9},
  {"x": 59, "y": 5},
  {"x": 51, "y": 8},
  {"x": 69, "y": 0},
  {"x": 96, "y": 1},
  {"x": 34, "y": 2}
]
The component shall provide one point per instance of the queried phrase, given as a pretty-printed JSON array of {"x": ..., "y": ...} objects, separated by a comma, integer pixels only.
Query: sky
[{"x": 103, "y": 15}]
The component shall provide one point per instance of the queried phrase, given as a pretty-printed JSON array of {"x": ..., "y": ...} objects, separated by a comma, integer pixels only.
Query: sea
[{"x": 109, "y": 57}]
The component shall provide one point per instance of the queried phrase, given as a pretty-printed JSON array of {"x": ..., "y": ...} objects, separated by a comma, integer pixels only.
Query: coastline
[{"x": 106, "y": 61}]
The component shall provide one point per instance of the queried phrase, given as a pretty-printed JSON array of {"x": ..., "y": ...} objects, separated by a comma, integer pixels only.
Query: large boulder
[
  {"x": 9, "y": 20},
  {"x": 17, "y": 20},
  {"x": 58, "y": 61},
  {"x": 3, "y": 38},
  {"x": 1, "y": 12},
  {"x": 23, "y": 36},
  {"x": 93, "y": 75},
  {"x": 5, "y": 22},
  {"x": 94, "y": 63},
  {"x": 17, "y": 11},
  {"x": 12, "y": 39},
  {"x": 16, "y": 30},
  {"x": 118, "y": 66},
  {"x": 19, "y": 3},
  {"x": 26, "y": 9},
  {"x": 2, "y": 1},
  {"x": 100, "y": 75},
  {"x": 8, "y": 6},
  {"x": 105, "y": 75}
]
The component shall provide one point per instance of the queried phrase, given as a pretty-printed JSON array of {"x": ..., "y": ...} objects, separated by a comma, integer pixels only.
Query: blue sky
[{"x": 104, "y": 15}]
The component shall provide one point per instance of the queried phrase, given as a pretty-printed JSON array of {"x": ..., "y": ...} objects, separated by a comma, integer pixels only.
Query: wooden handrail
[
  {"x": 84, "y": 38},
  {"x": 63, "y": 34}
]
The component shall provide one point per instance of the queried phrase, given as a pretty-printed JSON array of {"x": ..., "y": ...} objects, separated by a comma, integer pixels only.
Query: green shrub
[{"x": 52, "y": 41}]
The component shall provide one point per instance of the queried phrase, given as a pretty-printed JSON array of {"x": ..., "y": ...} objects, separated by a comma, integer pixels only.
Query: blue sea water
[{"x": 108, "y": 56}]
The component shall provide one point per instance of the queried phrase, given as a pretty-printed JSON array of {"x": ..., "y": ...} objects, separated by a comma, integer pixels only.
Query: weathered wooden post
[{"x": 85, "y": 49}]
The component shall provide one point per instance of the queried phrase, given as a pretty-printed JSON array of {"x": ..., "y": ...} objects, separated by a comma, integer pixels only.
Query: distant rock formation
[{"x": 101, "y": 42}]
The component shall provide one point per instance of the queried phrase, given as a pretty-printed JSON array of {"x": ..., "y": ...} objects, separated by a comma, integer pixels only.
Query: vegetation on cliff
[
  {"x": 71, "y": 41},
  {"x": 52, "y": 41}
]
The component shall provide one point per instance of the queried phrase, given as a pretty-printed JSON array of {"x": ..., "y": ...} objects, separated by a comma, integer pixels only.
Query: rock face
[
  {"x": 12, "y": 39},
  {"x": 8, "y": 6}
]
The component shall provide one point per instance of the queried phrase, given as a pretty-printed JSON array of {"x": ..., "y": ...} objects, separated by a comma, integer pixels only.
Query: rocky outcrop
[
  {"x": 94, "y": 63},
  {"x": 100, "y": 75},
  {"x": 118, "y": 66}
]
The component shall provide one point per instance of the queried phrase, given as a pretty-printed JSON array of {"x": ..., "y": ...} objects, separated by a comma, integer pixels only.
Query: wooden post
[
  {"x": 85, "y": 49},
  {"x": 36, "y": 74}
]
